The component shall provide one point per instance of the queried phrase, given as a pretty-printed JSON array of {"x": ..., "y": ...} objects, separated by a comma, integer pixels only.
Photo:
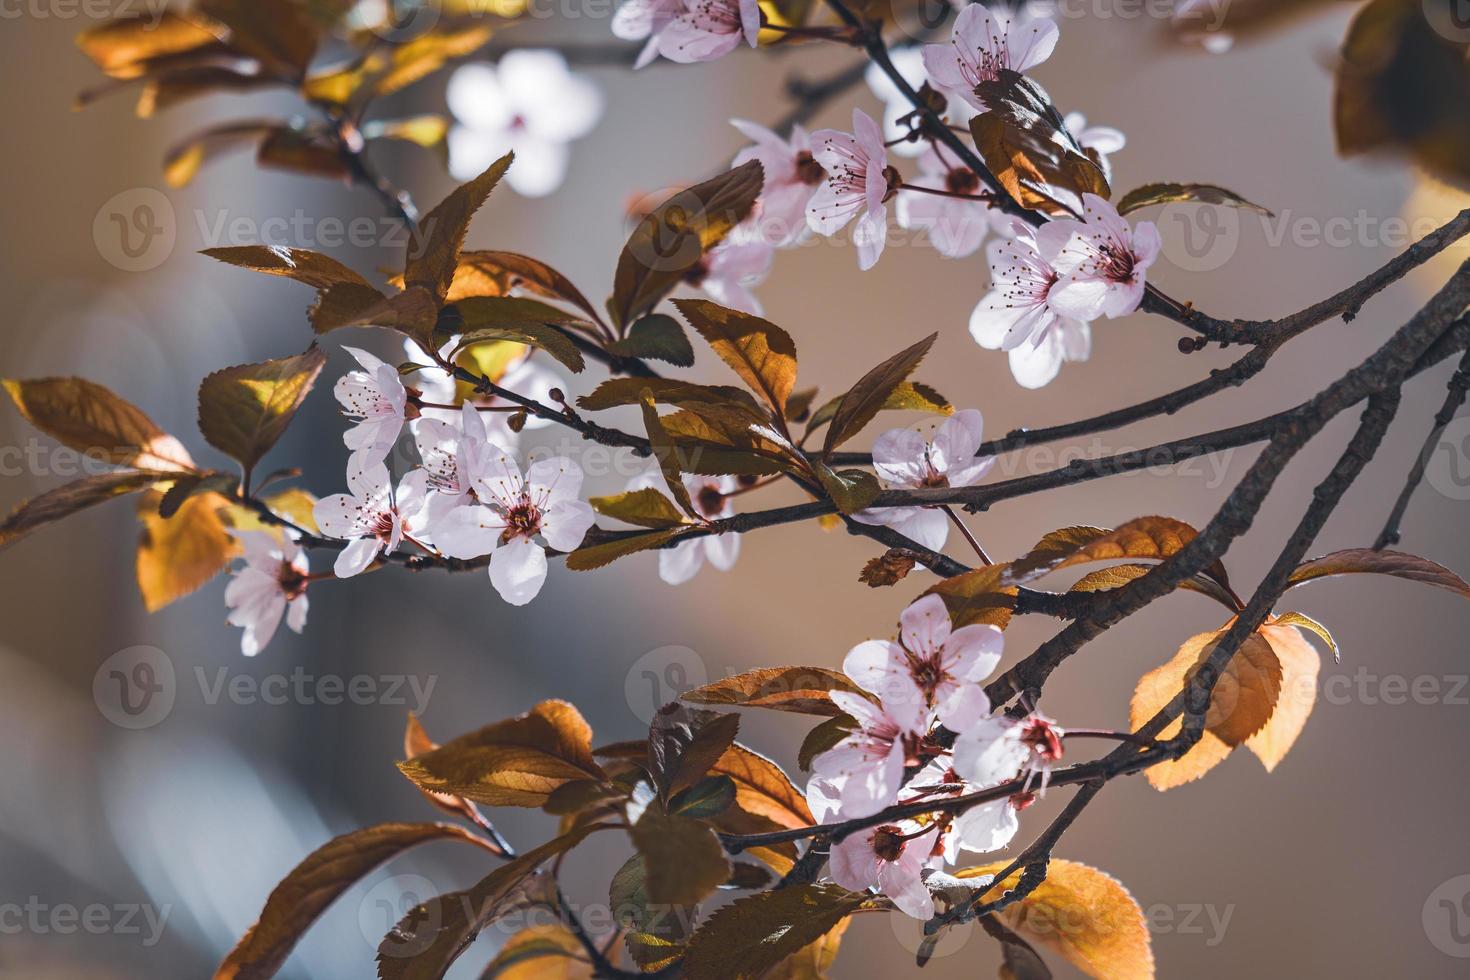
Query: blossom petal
[
  {"x": 680, "y": 563},
  {"x": 356, "y": 557},
  {"x": 924, "y": 626},
  {"x": 564, "y": 524},
  {"x": 518, "y": 570}
]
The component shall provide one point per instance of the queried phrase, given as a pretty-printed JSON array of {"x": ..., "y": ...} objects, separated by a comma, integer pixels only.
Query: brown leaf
[
  {"x": 305, "y": 266},
  {"x": 530, "y": 275},
  {"x": 314, "y": 884},
  {"x": 978, "y": 596},
  {"x": 872, "y": 392},
  {"x": 432, "y": 261},
  {"x": 672, "y": 239},
  {"x": 1300, "y": 665},
  {"x": 1142, "y": 537},
  {"x": 68, "y": 499},
  {"x": 277, "y": 32},
  {"x": 424, "y": 55},
  {"x": 803, "y": 690},
  {"x": 766, "y": 928},
  {"x": 92, "y": 420},
  {"x": 1150, "y": 195},
  {"x": 665, "y": 391},
  {"x": 761, "y": 353},
  {"x": 540, "y": 952},
  {"x": 1394, "y": 563},
  {"x": 178, "y": 554},
  {"x": 313, "y": 152},
  {"x": 823, "y": 737},
  {"x": 1082, "y": 913},
  {"x": 416, "y": 742},
  {"x": 588, "y": 557},
  {"x": 889, "y": 568},
  {"x": 762, "y": 789},
  {"x": 244, "y": 410},
  {"x": 684, "y": 859},
  {"x": 645, "y": 508},
  {"x": 1117, "y": 576},
  {"x": 123, "y": 47},
  {"x": 812, "y": 961},
  {"x": 683, "y": 743},
  {"x": 655, "y": 934}
]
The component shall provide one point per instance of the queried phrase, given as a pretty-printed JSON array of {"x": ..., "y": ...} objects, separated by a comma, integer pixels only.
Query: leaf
[
  {"x": 683, "y": 743},
  {"x": 802, "y": 690},
  {"x": 762, "y": 789},
  {"x": 124, "y": 47},
  {"x": 588, "y": 557},
  {"x": 314, "y": 153},
  {"x": 432, "y": 936},
  {"x": 872, "y": 391},
  {"x": 314, "y": 884},
  {"x": 766, "y": 928},
  {"x": 1116, "y": 576},
  {"x": 683, "y": 857},
  {"x": 1142, "y": 537},
  {"x": 1082, "y": 913},
  {"x": 1026, "y": 145},
  {"x": 1019, "y": 959},
  {"x": 707, "y": 798},
  {"x": 909, "y": 396},
  {"x": 645, "y": 508},
  {"x": 431, "y": 261},
  {"x": 1240, "y": 706},
  {"x": 717, "y": 439},
  {"x": 182, "y": 161},
  {"x": 666, "y": 453},
  {"x": 531, "y": 275},
  {"x": 813, "y": 960},
  {"x": 517, "y": 762},
  {"x": 277, "y": 32},
  {"x": 225, "y": 484},
  {"x": 428, "y": 130},
  {"x": 540, "y": 952},
  {"x": 761, "y": 353},
  {"x": 889, "y": 568},
  {"x": 244, "y": 410},
  {"x": 412, "y": 312},
  {"x": 424, "y": 55},
  {"x": 522, "y": 321},
  {"x": 312, "y": 268},
  {"x": 850, "y": 490},
  {"x": 1150, "y": 195},
  {"x": 656, "y": 336},
  {"x": 416, "y": 742},
  {"x": 824, "y": 737},
  {"x": 172, "y": 87},
  {"x": 1394, "y": 563},
  {"x": 615, "y": 392},
  {"x": 977, "y": 597},
  {"x": 68, "y": 499},
  {"x": 674, "y": 236},
  {"x": 655, "y": 935},
  {"x": 92, "y": 420},
  {"x": 178, "y": 554},
  {"x": 1300, "y": 665},
  {"x": 1303, "y": 621}
]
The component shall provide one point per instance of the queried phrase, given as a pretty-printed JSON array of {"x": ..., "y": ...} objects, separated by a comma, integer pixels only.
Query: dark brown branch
[{"x": 1454, "y": 398}]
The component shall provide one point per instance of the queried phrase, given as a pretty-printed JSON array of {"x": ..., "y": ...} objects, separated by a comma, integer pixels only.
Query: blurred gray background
[{"x": 164, "y": 842}]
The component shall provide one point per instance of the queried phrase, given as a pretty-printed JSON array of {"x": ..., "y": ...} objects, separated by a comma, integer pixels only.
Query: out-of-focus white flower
[
  {"x": 729, "y": 270},
  {"x": 529, "y": 102},
  {"x": 956, "y": 227},
  {"x": 524, "y": 375},
  {"x": 858, "y": 181},
  {"x": 791, "y": 176},
  {"x": 711, "y": 498},
  {"x": 896, "y": 105},
  {"x": 1102, "y": 140},
  {"x": 271, "y": 584}
]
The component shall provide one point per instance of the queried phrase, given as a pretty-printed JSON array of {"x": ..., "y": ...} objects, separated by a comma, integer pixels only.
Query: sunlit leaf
[
  {"x": 645, "y": 508},
  {"x": 92, "y": 420},
  {"x": 761, "y": 353},
  {"x": 68, "y": 499},
  {"x": 432, "y": 261},
  {"x": 665, "y": 391},
  {"x": 243, "y": 410},
  {"x": 540, "y": 952},
  {"x": 803, "y": 690},
  {"x": 527, "y": 274},
  {"x": 424, "y": 55},
  {"x": 766, "y": 928},
  {"x": 1300, "y": 665},
  {"x": 1142, "y": 537},
  {"x": 178, "y": 554},
  {"x": 978, "y": 596},
  {"x": 123, "y": 47},
  {"x": 523, "y": 321},
  {"x": 1150, "y": 195}
]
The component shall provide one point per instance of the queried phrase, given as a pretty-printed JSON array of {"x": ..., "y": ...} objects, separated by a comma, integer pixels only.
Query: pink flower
[
  {"x": 906, "y": 460},
  {"x": 999, "y": 749},
  {"x": 858, "y": 180},
  {"x": 864, "y": 772},
  {"x": 1102, "y": 140},
  {"x": 687, "y": 31},
  {"x": 1100, "y": 259},
  {"x": 271, "y": 584},
  {"x": 376, "y": 398},
  {"x": 983, "y": 828},
  {"x": 711, "y": 498},
  {"x": 891, "y": 859},
  {"x": 956, "y": 227},
  {"x": 792, "y": 176},
  {"x": 369, "y": 516},
  {"x": 728, "y": 271},
  {"x": 933, "y": 667},
  {"x": 985, "y": 42}
]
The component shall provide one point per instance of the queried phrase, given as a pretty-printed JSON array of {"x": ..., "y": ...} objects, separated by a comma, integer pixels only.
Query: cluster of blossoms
[{"x": 932, "y": 676}]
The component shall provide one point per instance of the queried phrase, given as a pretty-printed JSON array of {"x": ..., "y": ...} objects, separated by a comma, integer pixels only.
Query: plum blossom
[
  {"x": 271, "y": 584},
  {"x": 529, "y": 102},
  {"x": 1102, "y": 140},
  {"x": 727, "y": 272},
  {"x": 891, "y": 859},
  {"x": 523, "y": 375},
  {"x": 1016, "y": 315},
  {"x": 371, "y": 516},
  {"x": 956, "y": 227},
  {"x": 792, "y": 176},
  {"x": 863, "y": 773},
  {"x": 906, "y": 460},
  {"x": 687, "y": 31},
  {"x": 999, "y": 749},
  {"x": 982, "y": 828},
  {"x": 512, "y": 510},
  {"x": 933, "y": 667},
  {"x": 984, "y": 43},
  {"x": 896, "y": 105},
  {"x": 1100, "y": 259},
  {"x": 453, "y": 456},
  {"x": 859, "y": 179},
  {"x": 376, "y": 399},
  {"x": 711, "y": 498}
]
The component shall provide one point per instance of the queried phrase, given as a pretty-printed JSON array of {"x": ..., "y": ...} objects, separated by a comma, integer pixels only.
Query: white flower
[
  {"x": 1102, "y": 140},
  {"x": 1016, "y": 315},
  {"x": 687, "y": 31},
  {"x": 983, "y": 828},
  {"x": 906, "y": 460},
  {"x": 931, "y": 669},
  {"x": 376, "y": 398},
  {"x": 523, "y": 375},
  {"x": 711, "y": 498},
  {"x": 956, "y": 227},
  {"x": 891, "y": 859},
  {"x": 728, "y": 271},
  {"x": 983, "y": 43},
  {"x": 896, "y": 105},
  {"x": 370, "y": 516},
  {"x": 511, "y": 511},
  {"x": 1100, "y": 259},
  {"x": 529, "y": 102},
  {"x": 791, "y": 176},
  {"x": 453, "y": 456},
  {"x": 858, "y": 180},
  {"x": 271, "y": 584},
  {"x": 999, "y": 749},
  {"x": 864, "y": 772}
]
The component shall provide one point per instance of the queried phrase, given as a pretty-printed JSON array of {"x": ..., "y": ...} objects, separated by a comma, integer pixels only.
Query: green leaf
[
  {"x": 850, "y": 490},
  {"x": 707, "y": 798},
  {"x": 243, "y": 410},
  {"x": 645, "y": 508},
  {"x": 823, "y": 737},
  {"x": 658, "y": 336},
  {"x": 766, "y": 928},
  {"x": 674, "y": 237},
  {"x": 69, "y": 498},
  {"x": 1306, "y": 622},
  {"x": 683, "y": 857},
  {"x": 655, "y": 934},
  {"x": 1152, "y": 194},
  {"x": 1394, "y": 563},
  {"x": 588, "y": 557},
  {"x": 431, "y": 261},
  {"x": 872, "y": 392},
  {"x": 761, "y": 353}
]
